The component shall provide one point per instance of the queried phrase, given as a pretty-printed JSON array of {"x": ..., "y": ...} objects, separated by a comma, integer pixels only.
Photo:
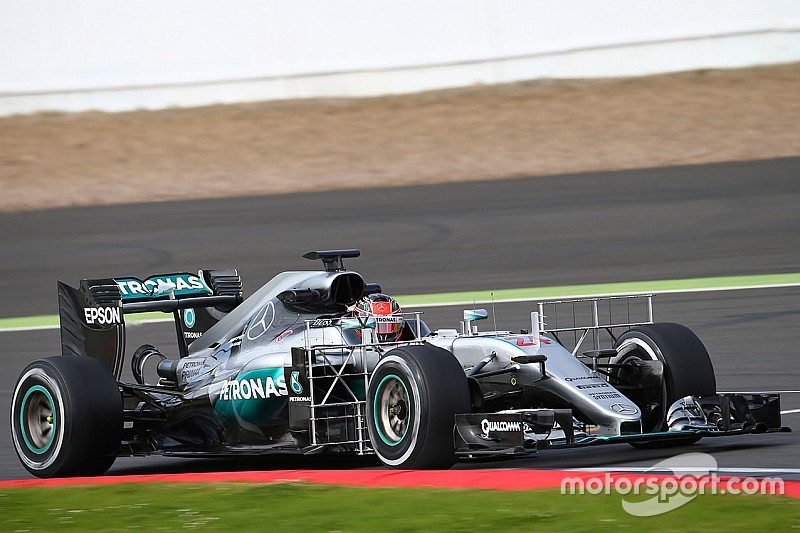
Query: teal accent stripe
[
  {"x": 501, "y": 295},
  {"x": 22, "y": 425},
  {"x": 376, "y": 411}
]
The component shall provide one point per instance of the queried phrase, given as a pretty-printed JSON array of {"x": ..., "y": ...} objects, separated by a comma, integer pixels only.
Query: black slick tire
[
  {"x": 687, "y": 370},
  {"x": 413, "y": 397},
  {"x": 66, "y": 417}
]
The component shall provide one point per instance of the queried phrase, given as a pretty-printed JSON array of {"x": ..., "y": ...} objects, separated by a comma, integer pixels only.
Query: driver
[{"x": 386, "y": 312}]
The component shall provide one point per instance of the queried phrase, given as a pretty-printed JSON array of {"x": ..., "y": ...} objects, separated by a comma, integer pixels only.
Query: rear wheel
[
  {"x": 66, "y": 417},
  {"x": 413, "y": 397},
  {"x": 687, "y": 372}
]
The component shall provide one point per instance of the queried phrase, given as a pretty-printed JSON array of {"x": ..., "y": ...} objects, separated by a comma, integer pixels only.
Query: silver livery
[{"x": 291, "y": 370}]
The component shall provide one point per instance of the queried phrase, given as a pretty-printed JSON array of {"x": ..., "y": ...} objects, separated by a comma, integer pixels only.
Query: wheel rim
[
  {"x": 37, "y": 419},
  {"x": 392, "y": 410}
]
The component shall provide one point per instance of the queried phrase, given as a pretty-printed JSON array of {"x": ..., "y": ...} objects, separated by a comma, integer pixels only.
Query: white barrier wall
[{"x": 113, "y": 55}]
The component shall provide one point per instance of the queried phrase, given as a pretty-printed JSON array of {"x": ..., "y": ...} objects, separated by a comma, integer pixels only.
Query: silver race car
[{"x": 292, "y": 369}]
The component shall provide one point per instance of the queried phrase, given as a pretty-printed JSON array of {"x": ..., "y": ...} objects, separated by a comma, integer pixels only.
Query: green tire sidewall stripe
[
  {"x": 28, "y": 443},
  {"x": 376, "y": 410}
]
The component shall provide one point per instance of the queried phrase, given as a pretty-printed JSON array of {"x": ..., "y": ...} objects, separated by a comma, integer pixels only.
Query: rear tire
[
  {"x": 413, "y": 397},
  {"x": 66, "y": 417},
  {"x": 687, "y": 371}
]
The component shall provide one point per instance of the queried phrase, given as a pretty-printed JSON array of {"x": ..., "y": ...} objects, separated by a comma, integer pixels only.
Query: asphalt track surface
[{"x": 667, "y": 223}]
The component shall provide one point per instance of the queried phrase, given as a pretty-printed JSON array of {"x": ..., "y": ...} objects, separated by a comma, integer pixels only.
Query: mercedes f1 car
[{"x": 290, "y": 370}]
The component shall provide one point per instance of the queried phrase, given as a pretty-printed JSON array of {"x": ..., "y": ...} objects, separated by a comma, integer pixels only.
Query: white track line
[
  {"x": 599, "y": 295},
  {"x": 28, "y": 328}
]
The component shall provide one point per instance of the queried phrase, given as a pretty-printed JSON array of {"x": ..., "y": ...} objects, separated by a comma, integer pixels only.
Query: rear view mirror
[{"x": 471, "y": 315}]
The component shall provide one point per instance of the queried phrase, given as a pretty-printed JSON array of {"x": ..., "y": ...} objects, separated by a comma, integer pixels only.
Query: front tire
[
  {"x": 687, "y": 371},
  {"x": 413, "y": 397},
  {"x": 66, "y": 417}
]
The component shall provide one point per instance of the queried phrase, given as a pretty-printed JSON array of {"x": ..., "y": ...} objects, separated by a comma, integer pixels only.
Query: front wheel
[
  {"x": 66, "y": 417},
  {"x": 687, "y": 371},
  {"x": 413, "y": 397}
]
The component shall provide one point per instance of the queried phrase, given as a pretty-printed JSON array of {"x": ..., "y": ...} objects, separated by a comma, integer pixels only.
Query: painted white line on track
[
  {"x": 761, "y": 392},
  {"x": 28, "y": 328},
  {"x": 599, "y": 295}
]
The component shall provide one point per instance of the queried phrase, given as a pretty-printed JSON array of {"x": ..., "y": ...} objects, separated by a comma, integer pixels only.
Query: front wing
[{"x": 525, "y": 431}]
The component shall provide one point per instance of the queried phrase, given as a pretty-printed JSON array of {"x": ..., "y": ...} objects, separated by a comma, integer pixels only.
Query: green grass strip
[
  {"x": 28, "y": 322},
  {"x": 51, "y": 321},
  {"x": 675, "y": 285},
  {"x": 302, "y": 507}
]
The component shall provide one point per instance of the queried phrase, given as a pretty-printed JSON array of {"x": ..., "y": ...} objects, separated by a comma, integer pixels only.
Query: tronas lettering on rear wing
[{"x": 184, "y": 285}]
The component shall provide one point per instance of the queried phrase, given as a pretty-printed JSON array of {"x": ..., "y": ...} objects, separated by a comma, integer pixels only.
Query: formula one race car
[{"x": 292, "y": 369}]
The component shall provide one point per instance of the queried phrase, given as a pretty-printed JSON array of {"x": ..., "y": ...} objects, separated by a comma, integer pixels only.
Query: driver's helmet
[{"x": 386, "y": 312}]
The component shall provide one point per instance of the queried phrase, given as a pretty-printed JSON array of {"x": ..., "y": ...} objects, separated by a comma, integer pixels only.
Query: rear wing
[{"x": 92, "y": 315}]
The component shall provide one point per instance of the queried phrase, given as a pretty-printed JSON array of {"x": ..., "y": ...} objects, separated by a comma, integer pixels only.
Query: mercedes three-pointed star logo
[{"x": 261, "y": 321}]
